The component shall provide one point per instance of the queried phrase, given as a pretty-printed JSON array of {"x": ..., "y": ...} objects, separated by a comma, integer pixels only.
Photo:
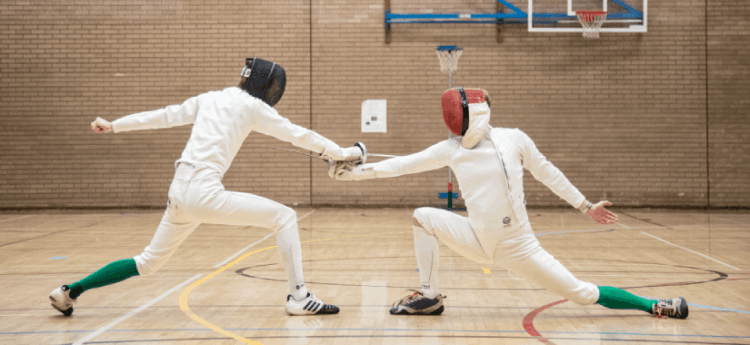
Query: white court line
[
  {"x": 692, "y": 251},
  {"x": 22, "y": 217},
  {"x": 256, "y": 242},
  {"x": 133, "y": 312},
  {"x": 624, "y": 226}
]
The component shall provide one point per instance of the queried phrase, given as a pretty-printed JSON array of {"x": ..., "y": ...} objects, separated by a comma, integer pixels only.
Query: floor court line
[
  {"x": 497, "y": 337},
  {"x": 692, "y": 251},
  {"x": 362, "y": 329},
  {"x": 136, "y": 311},
  {"x": 17, "y": 218},
  {"x": 256, "y": 242}
]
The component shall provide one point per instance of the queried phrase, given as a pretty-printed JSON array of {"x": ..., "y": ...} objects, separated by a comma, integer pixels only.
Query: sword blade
[{"x": 318, "y": 156}]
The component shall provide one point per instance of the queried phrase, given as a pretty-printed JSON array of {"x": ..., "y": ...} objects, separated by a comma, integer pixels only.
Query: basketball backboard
[{"x": 623, "y": 16}]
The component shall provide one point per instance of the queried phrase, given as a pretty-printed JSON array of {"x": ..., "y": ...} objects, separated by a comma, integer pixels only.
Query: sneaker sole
[
  {"x": 684, "y": 306},
  {"x": 437, "y": 311},
  {"x": 320, "y": 312},
  {"x": 66, "y": 312},
  {"x": 324, "y": 312}
]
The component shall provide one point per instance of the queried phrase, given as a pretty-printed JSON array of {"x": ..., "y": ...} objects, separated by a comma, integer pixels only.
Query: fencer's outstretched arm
[
  {"x": 269, "y": 122},
  {"x": 429, "y": 159},
  {"x": 171, "y": 116},
  {"x": 535, "y": 162}
]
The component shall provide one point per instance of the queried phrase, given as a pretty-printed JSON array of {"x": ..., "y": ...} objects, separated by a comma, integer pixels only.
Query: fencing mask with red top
[{"x": 466, "y": 112}]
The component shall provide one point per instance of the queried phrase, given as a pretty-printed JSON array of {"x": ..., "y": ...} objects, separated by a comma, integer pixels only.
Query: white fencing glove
[
  {"x": 101, "y": 125},
  {"x": 340, "y": 171},
  {"x": 348, "y": 171},
  {"x": 356, "y": 154}
]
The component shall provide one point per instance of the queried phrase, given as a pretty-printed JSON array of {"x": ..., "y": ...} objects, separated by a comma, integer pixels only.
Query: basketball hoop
[
  {"x": 448, "y": 56},
  {"x": 591, "y": 21}
]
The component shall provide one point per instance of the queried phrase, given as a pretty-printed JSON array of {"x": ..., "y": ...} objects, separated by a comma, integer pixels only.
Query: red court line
[{"x": 528, "y": 320}]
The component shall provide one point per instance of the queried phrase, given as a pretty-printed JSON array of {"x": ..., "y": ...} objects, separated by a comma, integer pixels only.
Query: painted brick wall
[
  {"x": 624, "y": 117},
  {"x": 729, "y": 103},
  {"x": 65, "y": 63}
]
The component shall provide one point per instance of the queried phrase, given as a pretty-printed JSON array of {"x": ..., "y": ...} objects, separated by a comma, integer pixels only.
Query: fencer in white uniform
[
  {"x": 489, "y": 164},
  {"x": 221, "y": 122}
]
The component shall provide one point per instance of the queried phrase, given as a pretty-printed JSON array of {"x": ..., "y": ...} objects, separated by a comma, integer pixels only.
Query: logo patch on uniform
[{"x": 506, "y": 220}]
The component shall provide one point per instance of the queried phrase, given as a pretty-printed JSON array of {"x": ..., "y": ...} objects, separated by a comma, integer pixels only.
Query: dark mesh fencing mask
[{"x": 263, "y": 79}]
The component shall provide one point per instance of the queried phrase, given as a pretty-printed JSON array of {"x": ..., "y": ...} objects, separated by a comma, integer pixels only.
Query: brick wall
[
  {"x": 624, "y": 117},
  {"x": 729, "y": 103},
  {"x": 65, "y": 63}
]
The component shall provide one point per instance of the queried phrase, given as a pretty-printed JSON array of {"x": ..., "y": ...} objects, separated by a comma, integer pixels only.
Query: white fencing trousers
[
  {"x": 523, "y": 255},
  {"x": 197, "y": 196}
]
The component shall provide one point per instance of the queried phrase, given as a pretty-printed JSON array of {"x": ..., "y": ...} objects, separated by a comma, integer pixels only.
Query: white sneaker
[
  {"x": 671, "y": 307},
  {"x": 61, "y": 300},
  {"x": 311, "y": 305}
]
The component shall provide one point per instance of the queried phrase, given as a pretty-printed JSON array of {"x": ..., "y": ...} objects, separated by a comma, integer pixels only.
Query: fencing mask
[
  {"x": 264, "y": 80},
  {"x": 466, "y": 112}
]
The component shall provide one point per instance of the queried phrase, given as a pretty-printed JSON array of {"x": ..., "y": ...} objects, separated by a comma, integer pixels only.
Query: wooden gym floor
[{"x": 363, "y": 260}]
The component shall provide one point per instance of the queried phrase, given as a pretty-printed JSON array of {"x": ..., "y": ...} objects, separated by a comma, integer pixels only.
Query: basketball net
[
  {"x": 449, "y": 60},
  {"x": 591, "y": 21}
]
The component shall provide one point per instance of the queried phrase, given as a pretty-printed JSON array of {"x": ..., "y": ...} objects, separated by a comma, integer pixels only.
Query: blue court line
[
  {"x": 710, "y": 307},
  {"x": 381, "y": 330},
  {"x": 718, "y": 308}
]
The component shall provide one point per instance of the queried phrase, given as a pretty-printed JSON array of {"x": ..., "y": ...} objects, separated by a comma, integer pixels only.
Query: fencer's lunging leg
[
  {"x": 290, "y": 251},
  {"x": 223, "y": 207},
  {"x": 428, "y": 259}
]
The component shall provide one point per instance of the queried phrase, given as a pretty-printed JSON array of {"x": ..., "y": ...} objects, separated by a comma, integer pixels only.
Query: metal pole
[
  {"x": 450, "y": 180},
  {"x": 449, "y": 132}
]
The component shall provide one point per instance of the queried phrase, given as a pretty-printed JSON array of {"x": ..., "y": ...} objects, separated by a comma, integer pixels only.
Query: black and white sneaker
[
  {"x": 61, "y": 300},
  {"x": 418, "y": 304},
  {"x": 675, "y": 307},
  {"x": 311, "y": 305}
]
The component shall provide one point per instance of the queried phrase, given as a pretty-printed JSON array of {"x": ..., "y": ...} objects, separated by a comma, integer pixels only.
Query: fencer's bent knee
[
  {"x": 416, "y": 223},
  {"x": 419, "y": 220},
  {"x": 420, "y": 216},
  {"x": 287, "y": 219}
]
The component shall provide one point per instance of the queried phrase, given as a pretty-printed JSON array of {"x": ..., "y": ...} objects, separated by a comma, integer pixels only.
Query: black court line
[
  {"x": 48, "y": 234},
  {"x": 645, "y": 220},
  {"x": 721, "y": 275}
]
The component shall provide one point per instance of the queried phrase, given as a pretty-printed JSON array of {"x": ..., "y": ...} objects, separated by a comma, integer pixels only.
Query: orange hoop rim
[{"x": 588, "y": 16}]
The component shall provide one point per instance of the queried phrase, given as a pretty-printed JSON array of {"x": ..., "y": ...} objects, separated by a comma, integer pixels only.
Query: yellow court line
[
  {"x": 185, "y": 293},
  {"x": 486, "y": 270}
]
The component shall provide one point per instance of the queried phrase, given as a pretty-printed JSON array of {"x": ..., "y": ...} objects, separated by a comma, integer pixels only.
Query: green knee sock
[
  {"x": 614, "y": 298},
  {"x": 114, "y": 272}
]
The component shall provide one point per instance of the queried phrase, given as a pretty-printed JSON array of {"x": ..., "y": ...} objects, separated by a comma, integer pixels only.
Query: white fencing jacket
[
  {"x": 222, "y": 120},
  {"x": 490, "y": 176}
]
